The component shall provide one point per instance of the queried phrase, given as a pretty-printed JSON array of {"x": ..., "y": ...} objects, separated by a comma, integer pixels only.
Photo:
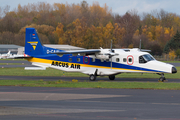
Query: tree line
[{"x": 89, "y": 26}]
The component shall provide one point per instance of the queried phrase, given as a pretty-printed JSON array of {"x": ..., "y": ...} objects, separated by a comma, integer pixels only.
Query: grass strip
[{"x": 100, "y": 84}]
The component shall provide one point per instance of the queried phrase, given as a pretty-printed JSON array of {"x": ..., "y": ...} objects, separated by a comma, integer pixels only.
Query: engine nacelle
[
  {"x": 105, "y": 54},
  {"x": 102, "y": 56}
]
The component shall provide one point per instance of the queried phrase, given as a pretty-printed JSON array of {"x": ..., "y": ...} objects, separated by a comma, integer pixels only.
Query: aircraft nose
[{"x": 174, "y": 70}]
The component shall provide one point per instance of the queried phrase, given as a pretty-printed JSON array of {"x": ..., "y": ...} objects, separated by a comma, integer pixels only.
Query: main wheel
[
  {"x": 112, "y": 77},
  {"x": 92, "y": 77}
]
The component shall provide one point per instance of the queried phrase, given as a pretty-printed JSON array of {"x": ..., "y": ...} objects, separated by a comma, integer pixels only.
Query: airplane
[
  {"x": 93, "y": 62},
  {"x": 17, "y": 56},
  {"x": 4, "y": 56}
]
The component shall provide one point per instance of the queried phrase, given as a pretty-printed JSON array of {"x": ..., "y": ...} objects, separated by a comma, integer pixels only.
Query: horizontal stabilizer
[
  {"x": 35, "y": 68},
  {"x": 18, "y": 56}
]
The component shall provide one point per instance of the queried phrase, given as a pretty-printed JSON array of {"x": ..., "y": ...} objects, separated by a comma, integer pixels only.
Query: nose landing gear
[{"x": 162, "y": 78}]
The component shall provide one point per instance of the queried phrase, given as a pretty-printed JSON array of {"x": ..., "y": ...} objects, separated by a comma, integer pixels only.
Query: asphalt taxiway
[{"x": 39, "y": 103}]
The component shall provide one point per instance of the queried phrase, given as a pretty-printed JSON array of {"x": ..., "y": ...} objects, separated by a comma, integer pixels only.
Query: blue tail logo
[{"x": 34, "y": 44}]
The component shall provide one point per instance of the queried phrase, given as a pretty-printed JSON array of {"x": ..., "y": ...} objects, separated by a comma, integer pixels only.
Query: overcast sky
[{"x": 117, "y": 6}]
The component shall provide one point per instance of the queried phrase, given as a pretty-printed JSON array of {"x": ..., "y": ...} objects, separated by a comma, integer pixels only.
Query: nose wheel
[{"x": 162, "y": 78}]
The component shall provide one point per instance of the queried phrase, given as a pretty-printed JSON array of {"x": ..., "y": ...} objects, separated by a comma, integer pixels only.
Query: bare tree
[{"x": 6, "y": 9}]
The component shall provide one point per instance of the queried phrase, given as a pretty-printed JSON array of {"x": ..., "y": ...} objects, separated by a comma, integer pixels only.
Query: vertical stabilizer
[
  {"x": 33, "y": 45},
  {"x": 9, "y": 53}
]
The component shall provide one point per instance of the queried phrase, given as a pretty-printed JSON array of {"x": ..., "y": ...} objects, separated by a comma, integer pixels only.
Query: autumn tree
[
  {"x": 130, "y": 22},
  {"x": 118, "y": 34},
  {"x": 89, "y": 26},
  {"x": 172, "y": 55},
  {"x": 108, "y": 34},
  {"x": 60, "y": 33},
  {"x": 173, "y": 44},
  {"x": 79, "y": 32},
  {"x": 85, "y": 12}
]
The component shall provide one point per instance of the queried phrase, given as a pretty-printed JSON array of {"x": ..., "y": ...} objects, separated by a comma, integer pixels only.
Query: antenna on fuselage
[{"x": 143, "y": 50}]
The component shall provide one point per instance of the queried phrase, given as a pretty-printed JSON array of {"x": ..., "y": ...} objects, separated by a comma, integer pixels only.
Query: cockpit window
[
  {"x": 145, "y": 58},
  {"x": 148, "y": 57}
]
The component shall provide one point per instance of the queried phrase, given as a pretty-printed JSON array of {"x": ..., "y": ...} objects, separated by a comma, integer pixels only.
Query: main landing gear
[
  {"x": 162, "y": 78},
  {"x": 93, "y": 77},
  {"x": 112, "y": 77}
]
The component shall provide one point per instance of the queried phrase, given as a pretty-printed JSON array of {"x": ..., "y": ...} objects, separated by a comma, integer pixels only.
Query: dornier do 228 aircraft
[{"x": 93, "y": 62}]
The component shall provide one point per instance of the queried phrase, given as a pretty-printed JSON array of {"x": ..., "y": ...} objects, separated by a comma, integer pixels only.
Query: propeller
[
  {"x": 111, "y": 54},
  {"x": 111, "y": 46}
]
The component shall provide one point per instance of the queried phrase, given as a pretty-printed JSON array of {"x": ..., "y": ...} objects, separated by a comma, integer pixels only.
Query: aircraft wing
[{"x": 81, "y": 52}]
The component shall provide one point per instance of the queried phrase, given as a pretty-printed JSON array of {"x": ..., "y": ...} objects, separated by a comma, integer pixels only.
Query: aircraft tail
[
  {"x": 9, "y": 52},
  {"x": 33, "y": 45}
]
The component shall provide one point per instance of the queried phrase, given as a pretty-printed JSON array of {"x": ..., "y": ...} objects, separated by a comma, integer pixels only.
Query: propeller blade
[
  {"x": 111, "y": 45},
  {"x": 111, "y": 62}
]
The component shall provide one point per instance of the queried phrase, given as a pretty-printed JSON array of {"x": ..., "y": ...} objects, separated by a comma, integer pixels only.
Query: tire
[
  {"x": 161, "y": 79},
  {"x": 112, "y": 77},
  {"x": 92, "y": 77}
]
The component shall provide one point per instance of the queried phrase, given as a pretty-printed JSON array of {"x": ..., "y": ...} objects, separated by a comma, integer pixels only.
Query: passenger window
[
  {"x": 130, "y": 59},
  {"x": 93, "y": 59},
  {"x": 107, "y": 60},
  {"x": 78, "y": 59},
  {"x": 86, "y": 59},
  {"x": 124, "y": 59},
  {"x": 102, "y": 60},
  {"x": 70, "y": 59},
  {"x": 117, "y": 59}
]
